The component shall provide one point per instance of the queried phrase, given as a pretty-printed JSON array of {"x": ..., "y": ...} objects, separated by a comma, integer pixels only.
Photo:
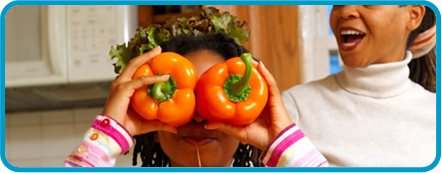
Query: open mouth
[{"x": 350, "y": 38}]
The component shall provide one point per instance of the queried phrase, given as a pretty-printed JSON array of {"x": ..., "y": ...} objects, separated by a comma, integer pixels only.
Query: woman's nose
[
  {"x": 198, "y": 119},
  {"x": 349, "y": 11}
]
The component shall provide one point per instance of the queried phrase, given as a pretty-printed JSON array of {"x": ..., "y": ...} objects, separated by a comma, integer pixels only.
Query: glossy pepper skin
[
  {"x": 213, "y": 103},
  {"x": 180, "y": 108}
]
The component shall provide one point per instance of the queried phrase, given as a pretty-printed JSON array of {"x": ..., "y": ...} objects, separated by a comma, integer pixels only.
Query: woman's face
[
  {"x": 216, "y": 149},
  {"x": 370, "y": 34}
]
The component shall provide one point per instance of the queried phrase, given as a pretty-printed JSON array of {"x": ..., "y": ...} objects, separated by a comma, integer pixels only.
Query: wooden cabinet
[
  {"x": 274, "y": 35},
  {"x": 149, "y": 14},
  {"x": 145, "y": 15}
]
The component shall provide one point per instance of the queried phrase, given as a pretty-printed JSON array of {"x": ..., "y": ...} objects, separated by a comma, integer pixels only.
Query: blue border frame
[{"x": 208, "y": 169}]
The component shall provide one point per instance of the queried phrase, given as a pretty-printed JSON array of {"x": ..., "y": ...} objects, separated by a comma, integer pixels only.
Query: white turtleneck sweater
[{"x": 367, "y": 117}]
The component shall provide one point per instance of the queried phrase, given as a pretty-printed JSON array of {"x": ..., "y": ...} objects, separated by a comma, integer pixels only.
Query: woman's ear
[{"x": 416, "y": 14}]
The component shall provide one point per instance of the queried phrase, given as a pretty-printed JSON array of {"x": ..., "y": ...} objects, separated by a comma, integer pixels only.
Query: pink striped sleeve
[
  {"x": 291, "y": 148},
  {"x": 102, "y": 144}
]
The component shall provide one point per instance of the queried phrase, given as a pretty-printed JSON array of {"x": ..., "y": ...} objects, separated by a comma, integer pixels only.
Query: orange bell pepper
[
  {"x": 171, "y": 102},
  {"x": 233, "y": 92}
]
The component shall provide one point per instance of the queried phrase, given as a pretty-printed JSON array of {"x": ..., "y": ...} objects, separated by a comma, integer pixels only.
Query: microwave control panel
[{"x": 92, "y": 30}]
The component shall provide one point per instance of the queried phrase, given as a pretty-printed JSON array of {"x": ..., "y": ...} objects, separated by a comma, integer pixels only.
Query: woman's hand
[
  {"x": 122, "y": 89},
  {"x": 273, "y": 119}
]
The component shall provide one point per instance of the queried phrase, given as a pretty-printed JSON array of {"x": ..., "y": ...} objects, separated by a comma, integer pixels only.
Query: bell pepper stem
[
  {"x": 238, "y": 87},
  {"x": 159, "y": 89},
  {"x": 162, "y": 91}
]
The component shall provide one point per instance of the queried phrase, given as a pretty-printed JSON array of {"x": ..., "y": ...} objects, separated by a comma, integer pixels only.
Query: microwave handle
[{"x": 56, "y": 24}]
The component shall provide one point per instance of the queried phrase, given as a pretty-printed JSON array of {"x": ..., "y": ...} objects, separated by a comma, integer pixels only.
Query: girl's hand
[
  {"x": 122, "y": 89},
  {"x": 273, "y": 119}
]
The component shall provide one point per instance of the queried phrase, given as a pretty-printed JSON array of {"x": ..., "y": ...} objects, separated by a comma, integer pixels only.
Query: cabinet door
[
  {"x": 145, "y": 15},
  {"x": 274, "y": 38},
  {"x": 157, "y": 14}
]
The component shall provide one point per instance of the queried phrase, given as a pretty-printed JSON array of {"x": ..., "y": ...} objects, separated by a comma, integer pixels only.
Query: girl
[
  {"x": 381, "y": 109},
  {"x": 161, "y": 145}
]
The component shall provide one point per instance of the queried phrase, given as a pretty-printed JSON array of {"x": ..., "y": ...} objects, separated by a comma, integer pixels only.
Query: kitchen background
[{"x": 46, "y": 120}]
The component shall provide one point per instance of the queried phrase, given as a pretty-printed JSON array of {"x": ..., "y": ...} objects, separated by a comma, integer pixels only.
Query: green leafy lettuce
[{"x": 210, "y": 20}]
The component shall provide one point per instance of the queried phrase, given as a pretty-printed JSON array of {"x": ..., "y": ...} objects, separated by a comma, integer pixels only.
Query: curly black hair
[{"x": 150, "y": 151}]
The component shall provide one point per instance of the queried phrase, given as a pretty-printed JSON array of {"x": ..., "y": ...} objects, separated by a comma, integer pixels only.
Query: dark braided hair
[
  {"x": 150, "y": 151},
  {"x": 423, "y": 69}
]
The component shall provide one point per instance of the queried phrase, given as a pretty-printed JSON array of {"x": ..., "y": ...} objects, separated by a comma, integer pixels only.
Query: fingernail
[
  {"x": 156, "y": 48},
  {"x": 262, "y": 64},
  {"x": 165, "y": 76}
]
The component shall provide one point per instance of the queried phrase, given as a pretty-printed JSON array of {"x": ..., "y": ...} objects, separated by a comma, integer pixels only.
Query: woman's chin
[{"x": 352, "y": 63}]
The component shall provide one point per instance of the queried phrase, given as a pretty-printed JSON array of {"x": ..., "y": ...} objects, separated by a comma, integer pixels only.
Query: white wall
[{"x": 46, "y": 138}]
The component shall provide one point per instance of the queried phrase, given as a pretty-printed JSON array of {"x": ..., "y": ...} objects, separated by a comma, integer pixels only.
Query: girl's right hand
[{"x": 122, "y": 89}]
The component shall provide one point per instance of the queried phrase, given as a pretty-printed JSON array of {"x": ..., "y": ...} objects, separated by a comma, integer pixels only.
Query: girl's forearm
[{"x": 102, "y": 144}]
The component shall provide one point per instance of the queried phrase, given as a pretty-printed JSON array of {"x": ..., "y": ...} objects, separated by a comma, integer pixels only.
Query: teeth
[
  {"x": 351, "y": 32},
  {"x": 349, "y": 44}
]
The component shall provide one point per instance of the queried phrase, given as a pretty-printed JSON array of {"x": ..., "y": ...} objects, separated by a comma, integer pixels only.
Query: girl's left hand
[
  {"x": 122, "y": 89},
  {"x": 272, "y": 120}
]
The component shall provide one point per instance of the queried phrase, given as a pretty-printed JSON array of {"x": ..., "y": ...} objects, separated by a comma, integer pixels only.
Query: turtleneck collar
[{"x": 377, "y": 80}]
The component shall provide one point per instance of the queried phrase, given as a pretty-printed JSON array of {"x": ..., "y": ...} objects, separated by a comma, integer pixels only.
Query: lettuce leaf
[
  {"x": 209, "y": 21},
  {"x": 124, "y": 54}
]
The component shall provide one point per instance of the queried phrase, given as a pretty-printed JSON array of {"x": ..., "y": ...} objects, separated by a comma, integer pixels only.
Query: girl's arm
[
  {"x": 291, "y": 148},
  {"x": 111, "y": 133},
  {"x": 102, "y": 144}
]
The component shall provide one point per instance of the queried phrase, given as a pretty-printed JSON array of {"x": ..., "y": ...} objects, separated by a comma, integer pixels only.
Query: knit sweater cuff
[
  {"x": 290, "y": 148},
  {"x": 102, "y": 144}
]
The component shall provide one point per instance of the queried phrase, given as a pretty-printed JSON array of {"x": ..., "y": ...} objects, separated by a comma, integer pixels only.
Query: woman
[{"x": 381, "y": 109}]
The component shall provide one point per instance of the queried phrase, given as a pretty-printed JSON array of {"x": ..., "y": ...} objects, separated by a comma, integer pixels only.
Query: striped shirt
[
  {"x": 107, "y": 139},
  {"x": 291, "y": 148},
  {"x": 101, "y": 145}
]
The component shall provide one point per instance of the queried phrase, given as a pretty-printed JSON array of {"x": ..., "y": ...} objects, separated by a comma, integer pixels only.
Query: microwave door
[{"x": 35, "y": 46}]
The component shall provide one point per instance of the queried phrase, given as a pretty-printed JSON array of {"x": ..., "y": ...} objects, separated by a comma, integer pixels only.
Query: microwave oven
[
  {"x": 57, "y": 56},
  {"x": 48, "y": 45}
]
